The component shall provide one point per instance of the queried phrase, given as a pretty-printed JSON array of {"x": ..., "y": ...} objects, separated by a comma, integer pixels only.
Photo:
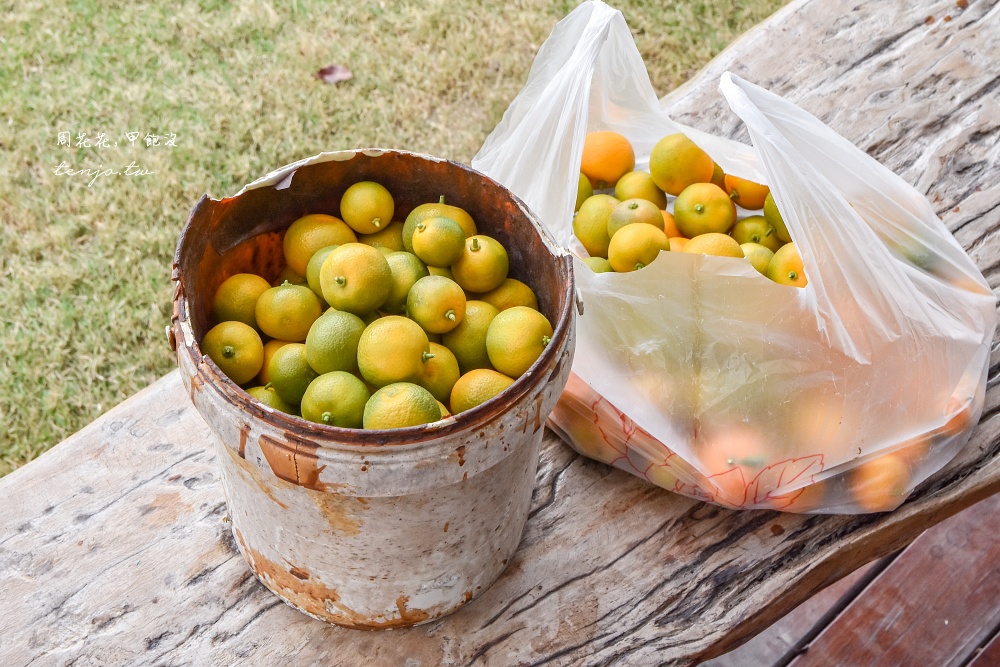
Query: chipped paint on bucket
[{"x": 371, "y": 529}]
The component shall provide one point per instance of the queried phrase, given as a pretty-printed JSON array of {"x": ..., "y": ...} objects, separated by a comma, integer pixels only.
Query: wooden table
[{"x": 115, "y": 548}]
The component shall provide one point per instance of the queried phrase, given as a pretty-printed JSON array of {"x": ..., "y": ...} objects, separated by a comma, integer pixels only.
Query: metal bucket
[{"x": 370, "y": 529}]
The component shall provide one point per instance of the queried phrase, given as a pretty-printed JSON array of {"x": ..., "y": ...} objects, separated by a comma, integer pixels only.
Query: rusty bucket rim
[{"x": 335, "y": 437}]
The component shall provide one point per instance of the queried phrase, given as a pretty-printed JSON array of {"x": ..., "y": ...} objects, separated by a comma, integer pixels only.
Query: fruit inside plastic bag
[{"x": 699, "y": 373}]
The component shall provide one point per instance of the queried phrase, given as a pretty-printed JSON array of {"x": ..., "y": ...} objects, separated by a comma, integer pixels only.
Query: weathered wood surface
[
  {"x": 939, "y": 600},
  {"x": 114, "y": 549}
]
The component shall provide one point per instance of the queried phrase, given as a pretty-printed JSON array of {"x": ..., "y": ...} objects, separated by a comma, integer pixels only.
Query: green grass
[{"x": 85, "y": 292}]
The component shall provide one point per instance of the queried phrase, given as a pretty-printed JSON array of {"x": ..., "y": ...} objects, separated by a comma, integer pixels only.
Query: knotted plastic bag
[{"x": 703, "y": 376}]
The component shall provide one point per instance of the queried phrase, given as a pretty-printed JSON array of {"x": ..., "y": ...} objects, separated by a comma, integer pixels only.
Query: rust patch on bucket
[
  {"x": 406, "y": 616},
  {"x": 244, "y": 434},
  {"x": 460, "y": 454},
  {"x": 298, "y": 573},
  {"x": 341, "y": 512},
  {"x": 294, "y": 461},
  {"x": 255, "y": 475}
]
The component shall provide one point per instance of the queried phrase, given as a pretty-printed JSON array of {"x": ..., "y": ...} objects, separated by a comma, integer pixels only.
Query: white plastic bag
[{"x": 705, "y": 377}]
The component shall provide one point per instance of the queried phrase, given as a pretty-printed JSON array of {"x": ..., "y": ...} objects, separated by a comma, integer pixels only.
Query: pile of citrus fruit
[
  {"x": 626, "y": 231},
  {"x": 378, "y": 323}
]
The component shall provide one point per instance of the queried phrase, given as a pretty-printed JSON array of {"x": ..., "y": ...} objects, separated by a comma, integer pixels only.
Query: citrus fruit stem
[
  {"x": 377, "y": 222},
  {"x": 699, "y": 208},
  {"x": 639, "y": 265},
  {"x": 474, "y": 247},
  {"x": 340, "y": 280},
  {"x": 545, "y": 341},
  {"x": 427, "y": 356},
  {"x": 793, "y": 275},
  {"x": 450, "y": 315},
  {"x": 326, "y": 417},
  {"x": 441, "y": 200},
  {"x": 229, "y": 351}
]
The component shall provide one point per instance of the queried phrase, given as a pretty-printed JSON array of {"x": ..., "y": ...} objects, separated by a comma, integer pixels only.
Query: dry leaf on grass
[{"x": 335, "y": 74}]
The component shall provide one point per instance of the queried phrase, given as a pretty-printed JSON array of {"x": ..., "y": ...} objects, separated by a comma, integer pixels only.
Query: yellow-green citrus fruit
[
  {"x": 476, "y": 387},
  {"x": 393, "y": 349},
  {"x": 590, "y": 224},
  {"x": 434, "y": 210},
  {"x": 436, "y": 304},
  {"x": 467, "y": 341},
  {"x": 287, "y": 311},
  {"x": 512, "y": 292},
  {"x": 400, "y": 405},
  {"x": 482, "y": 266},
  {"x": 336, "y": 399},
  {"x": 438, "y": 241},
  {"x": 236, "y": 349},
  {"x": 367, "y": 207},
  {"x": 516, "y": 338},
  {"x": 356, "y": 278},
  {"x": 773, "y": 216},
  {"x": 332, "y": 343},
  {"x": 406, "y": 269},
  {"x": 236, "y": 298},
  {"x": 290, "y": 372},
  {"x": 269, "y": 397},
  {"x": 441, "y": 372}
]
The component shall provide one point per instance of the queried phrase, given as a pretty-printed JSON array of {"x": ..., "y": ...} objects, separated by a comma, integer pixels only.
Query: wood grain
[
  {"x": 115, "y": 549},
  {"x": 940, "y": 600}
]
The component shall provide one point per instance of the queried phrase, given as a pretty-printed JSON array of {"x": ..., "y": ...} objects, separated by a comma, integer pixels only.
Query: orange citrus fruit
[
  {"x": 677, "y": 162},
  {"x": 670, "y": 225},
  {"x": 313, "y": 268},
  {"x": 598, "y": 264},
  {"x": 786, "y": 267},
  {"x": 290, "y": 372},
  {"x": 269, "y": 397},
  {"x": 702, "y": 208},
  {"x": 678, "y": 243},
  {"x": 718, "y": 176},
  {"x": 880, "y": 484},
  {"x": 746, "y": 193},
  {"x": 406, "y": 270},
  {"x": 438, "y": 241},
  {"x": 288, "y": 275},
  {"x": 607, "y": 156},
  {"x": 236, "y": 349},
  {"x": 310, "y": 233},
  {"x": 332, "y": 343}
]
